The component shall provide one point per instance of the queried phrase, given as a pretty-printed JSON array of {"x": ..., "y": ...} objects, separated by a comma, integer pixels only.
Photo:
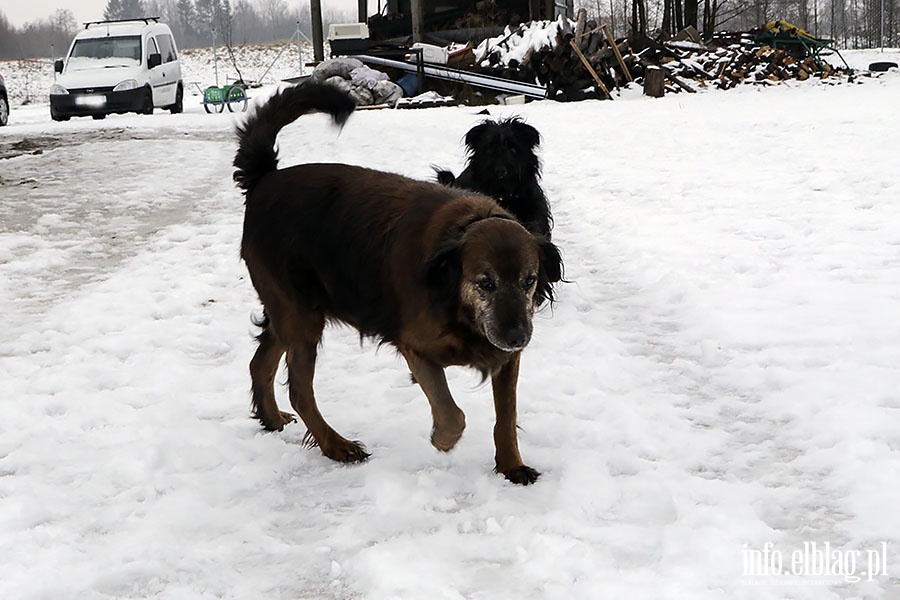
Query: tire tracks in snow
[
  {"x": 77, "y": 211},
  {"x": 713, "y": 399}
]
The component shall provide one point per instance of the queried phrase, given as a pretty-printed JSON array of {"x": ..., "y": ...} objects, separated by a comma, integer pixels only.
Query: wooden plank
[
  {"x": 590, "y": 69},
  {"x": 595, "y": 29},
  {"x": 612, "y": 43},
  {"x": 671, "y": 77}
]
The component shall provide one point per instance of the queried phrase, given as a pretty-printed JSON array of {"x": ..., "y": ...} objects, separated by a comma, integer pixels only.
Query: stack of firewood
[
  {"x": 573, "y": 59},
  {"x": 736, "y": 64},
  {"x": 580, "y": 59}
]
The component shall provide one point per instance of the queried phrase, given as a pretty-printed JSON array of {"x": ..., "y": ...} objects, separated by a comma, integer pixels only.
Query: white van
[{"x": 118, "y": 67}]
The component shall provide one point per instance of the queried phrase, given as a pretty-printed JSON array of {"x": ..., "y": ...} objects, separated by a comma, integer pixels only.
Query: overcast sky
[{"x": 19, "y": 12}]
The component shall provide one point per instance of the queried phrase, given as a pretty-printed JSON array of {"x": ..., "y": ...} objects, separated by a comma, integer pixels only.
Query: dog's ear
[
  {"x": 526, "y": 133},
  {"x": 478, "y": 134},
  {"x": 443, "y": 176},
  {"x": 442, "y": 274},
  {"x": 549, "y": 272}
]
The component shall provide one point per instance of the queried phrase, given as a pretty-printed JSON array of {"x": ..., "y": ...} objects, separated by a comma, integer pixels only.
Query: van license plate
[{"x": 92, "y": 101}]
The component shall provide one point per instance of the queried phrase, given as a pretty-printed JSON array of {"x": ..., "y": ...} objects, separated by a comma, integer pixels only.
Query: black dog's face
[{"x": 502, "y": 155}]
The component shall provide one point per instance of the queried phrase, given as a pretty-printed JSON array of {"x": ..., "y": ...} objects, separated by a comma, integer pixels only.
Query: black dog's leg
[{"x": 263, "y": 368}]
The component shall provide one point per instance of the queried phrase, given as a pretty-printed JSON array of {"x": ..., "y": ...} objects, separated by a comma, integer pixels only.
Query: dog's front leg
[
  {"x": 449, "y": 420},
  {"x": 509, "y": 462}
]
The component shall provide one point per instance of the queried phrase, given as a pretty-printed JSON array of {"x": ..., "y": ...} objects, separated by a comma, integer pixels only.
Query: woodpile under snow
[{"x": 580, "y": 59}]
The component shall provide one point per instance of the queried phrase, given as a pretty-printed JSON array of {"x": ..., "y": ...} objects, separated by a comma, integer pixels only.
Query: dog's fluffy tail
[{"x": 256, "y": 154}]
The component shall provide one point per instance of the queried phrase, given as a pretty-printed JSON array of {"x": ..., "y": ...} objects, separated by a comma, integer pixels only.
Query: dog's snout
[{"x": 517, "y": 338}]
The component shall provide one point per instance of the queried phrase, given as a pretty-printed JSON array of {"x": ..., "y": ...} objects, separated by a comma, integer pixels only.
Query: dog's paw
[
  {"x": 445, "y": 438},
  {"x": 523, "y": 475},
  {"x": 276, "y": 422},
  {"x": 347, "y": 451}
]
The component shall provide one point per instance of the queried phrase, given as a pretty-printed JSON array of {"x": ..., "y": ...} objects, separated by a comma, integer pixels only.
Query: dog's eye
[
  {"x": 487, "y": 285},
  {"x": 528, "y": 282}
]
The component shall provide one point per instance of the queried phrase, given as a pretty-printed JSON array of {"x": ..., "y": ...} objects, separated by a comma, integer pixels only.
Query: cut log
[
  {"x": 565, "y": 31},
  {"x": 654, "y": 82},
  {"x": 580, "y": 22},
  {"x": 595, "y": 40}
]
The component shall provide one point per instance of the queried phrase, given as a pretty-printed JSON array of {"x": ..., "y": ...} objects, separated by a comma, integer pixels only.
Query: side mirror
[
  {"x": 58, "y": 65},
  {"x": 154, "y": 60}
]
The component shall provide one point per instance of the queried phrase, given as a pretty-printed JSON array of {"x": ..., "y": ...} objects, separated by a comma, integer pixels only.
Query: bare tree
[
  {"x": 123, "y": 9},
  {"x": 638, "y": 18},
  {"x": 853, "y": 23},
  {"x": 691, "y": 9},
  {"x": 274, "y": 13}
]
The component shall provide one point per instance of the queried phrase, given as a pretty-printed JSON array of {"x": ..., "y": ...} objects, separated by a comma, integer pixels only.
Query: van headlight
[
  {"x": 128, "y": 84},
  {"x": 58, "y": 90}
]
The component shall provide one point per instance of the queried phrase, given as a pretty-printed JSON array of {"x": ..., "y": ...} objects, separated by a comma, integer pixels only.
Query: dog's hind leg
[
  {"x": 263, "y": 368},
  {"x": 301, "y": 362},
  {"x": 508, "y": 459},
  {"x": 449, "y": 420}
]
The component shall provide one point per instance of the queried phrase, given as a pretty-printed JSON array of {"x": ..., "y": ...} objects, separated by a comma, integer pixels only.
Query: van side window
[
  {"x": 167, "y": 47},
  {"x": 152, "y": 48}
]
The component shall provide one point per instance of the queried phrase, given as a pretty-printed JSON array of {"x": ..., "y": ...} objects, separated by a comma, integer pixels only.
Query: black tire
[
  {"x": 237, "y": 99},
  {"x": 147, "y": 103},
  {"x": 99, "y": 116},
  {"x": 882, "y": 66},
  {"x": 178, "y": 107},
  {"x": 213, "y": 99},
  {"x": 4, "y": 111}
]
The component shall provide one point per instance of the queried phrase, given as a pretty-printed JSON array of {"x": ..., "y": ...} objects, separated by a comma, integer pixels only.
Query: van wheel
[
  {"x": 4, "y": 111},
  {"x": 99, "y": 116},
  {"x": 147, "y": 104},
  {"x": 179, "y": 101}
]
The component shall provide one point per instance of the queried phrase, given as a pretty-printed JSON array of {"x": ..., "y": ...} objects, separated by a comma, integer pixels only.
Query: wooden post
[
  {"x": 654, "y": 82},
  {"x": 418, "y": 19},
  {"x": 315, "y": 14},
  {"x": 589, "y": 68},
  {"x": 612, "y": 43},
  {"x": 363, "y": 9}
]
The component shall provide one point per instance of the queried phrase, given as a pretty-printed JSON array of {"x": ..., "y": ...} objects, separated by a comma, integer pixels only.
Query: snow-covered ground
[{"x": 716, "y": 394}]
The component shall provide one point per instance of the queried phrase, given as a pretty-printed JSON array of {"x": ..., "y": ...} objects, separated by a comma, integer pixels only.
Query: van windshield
[{"x": 105, "y": 52}]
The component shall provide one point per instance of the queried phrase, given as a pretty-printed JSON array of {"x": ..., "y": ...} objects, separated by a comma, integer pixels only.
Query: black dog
[{"x": 502, "y": 164}]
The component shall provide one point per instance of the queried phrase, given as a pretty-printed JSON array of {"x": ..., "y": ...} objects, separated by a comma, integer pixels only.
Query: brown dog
[{"x": 444, "y": 275}]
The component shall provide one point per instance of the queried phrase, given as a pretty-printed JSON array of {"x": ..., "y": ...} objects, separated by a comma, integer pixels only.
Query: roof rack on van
[{"x": 144, "y": 19}]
